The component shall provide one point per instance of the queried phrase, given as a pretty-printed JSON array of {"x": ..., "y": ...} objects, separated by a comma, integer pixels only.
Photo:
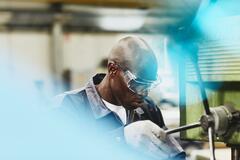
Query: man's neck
[{"x": 105, "y": 91}]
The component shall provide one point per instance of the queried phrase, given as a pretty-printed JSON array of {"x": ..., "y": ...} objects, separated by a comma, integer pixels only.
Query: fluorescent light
[{"x": 121, "y": 23}]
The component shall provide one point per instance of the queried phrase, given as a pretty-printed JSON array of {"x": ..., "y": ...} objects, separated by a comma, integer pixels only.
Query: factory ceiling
[
  {"x": 147, "y": 15},
  {"x": 107, "y": 3}
]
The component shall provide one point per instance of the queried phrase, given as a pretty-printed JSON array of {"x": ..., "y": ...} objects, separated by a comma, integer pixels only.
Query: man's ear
[{"x": 112, "y": 69}]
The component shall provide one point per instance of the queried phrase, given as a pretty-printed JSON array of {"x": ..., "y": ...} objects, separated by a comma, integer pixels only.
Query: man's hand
[{"x": 151, "y": 139}]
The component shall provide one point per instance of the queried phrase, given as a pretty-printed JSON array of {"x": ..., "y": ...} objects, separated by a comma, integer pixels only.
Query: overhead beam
[{"x": 105, "y": 3}]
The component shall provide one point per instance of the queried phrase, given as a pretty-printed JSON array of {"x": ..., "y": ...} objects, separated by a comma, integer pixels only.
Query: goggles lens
[{"x": 137, "y": 85}]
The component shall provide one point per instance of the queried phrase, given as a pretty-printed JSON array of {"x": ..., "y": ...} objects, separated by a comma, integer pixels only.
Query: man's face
[{"x": 123, "y": 94}]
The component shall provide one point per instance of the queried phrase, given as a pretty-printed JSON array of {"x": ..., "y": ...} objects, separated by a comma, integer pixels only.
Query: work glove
[{"x": 152, "y": 140}]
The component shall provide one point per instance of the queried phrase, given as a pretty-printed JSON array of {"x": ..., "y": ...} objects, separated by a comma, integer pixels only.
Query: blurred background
[{"x": 51, "y": 46}]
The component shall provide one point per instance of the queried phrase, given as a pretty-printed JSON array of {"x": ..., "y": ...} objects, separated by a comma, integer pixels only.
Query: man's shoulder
[
  {"x": 72, "y": 96},
  {"x": 73, "y": 104},
  {"x": 75, "y": 91}
]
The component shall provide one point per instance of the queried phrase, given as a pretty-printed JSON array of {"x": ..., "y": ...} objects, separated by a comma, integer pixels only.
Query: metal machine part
[
  {"x": 217, "y": 123},
  {"x": 220, "y": 118},
  {"x": 183, "y": 128}
]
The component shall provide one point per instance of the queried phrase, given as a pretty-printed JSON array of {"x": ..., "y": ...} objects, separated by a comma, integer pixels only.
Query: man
[{"x": 117, "y": 101}]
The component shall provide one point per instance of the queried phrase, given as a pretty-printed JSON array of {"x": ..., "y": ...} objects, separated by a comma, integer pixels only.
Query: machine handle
[{"x": 183, "y": 128}]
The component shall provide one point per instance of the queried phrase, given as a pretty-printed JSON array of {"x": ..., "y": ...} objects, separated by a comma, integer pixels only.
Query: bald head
[{"x": 134, "y": 54}]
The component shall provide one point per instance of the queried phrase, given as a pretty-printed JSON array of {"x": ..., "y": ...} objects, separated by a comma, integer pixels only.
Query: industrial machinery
[
  {"x": 209, "y": 95},
  {"x": 208, "y": 54},
  {"x": 219, "y": 123}
]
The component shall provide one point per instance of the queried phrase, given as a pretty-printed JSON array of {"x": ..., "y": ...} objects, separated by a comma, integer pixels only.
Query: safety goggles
[{"x": 138, "y": 85}]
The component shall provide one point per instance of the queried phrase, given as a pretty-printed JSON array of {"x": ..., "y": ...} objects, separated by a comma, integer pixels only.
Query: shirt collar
[
  {"x": 98, "y": 107},
  {"x": 118, "y": 110}
]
